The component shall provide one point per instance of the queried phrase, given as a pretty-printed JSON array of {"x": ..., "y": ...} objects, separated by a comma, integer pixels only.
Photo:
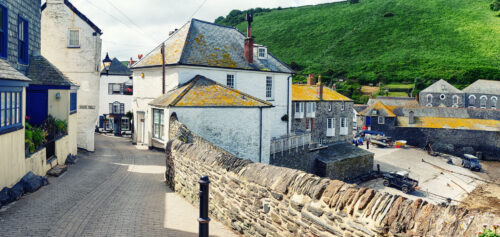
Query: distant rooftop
[
  {"x": 201, "y": 43},
  {"x": 484, "y": 87},
  {"x": 42, "y": 72},
  {"x": 441, "y": 86},
  {"x": 394, "y": 101},
  {"x": 303, "y": 92},
  {"x": 117, "y": 68}
]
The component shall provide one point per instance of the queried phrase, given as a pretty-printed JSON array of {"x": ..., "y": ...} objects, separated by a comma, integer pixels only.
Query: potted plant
[{"x": 62, "y": 127}]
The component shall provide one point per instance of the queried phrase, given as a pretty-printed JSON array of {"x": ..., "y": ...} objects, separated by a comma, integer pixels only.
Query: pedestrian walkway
[{"x": 115, "y": 191}]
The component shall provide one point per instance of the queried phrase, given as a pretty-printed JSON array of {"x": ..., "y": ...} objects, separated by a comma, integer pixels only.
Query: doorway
[{"x": 140, "y": 127}]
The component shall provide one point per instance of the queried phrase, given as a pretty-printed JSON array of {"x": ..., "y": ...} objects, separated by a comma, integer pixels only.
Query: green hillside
[{"x": 384, "y": 40}]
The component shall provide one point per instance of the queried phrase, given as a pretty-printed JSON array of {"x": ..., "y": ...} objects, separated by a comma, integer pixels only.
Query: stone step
[{"x": 57, "y": 170}]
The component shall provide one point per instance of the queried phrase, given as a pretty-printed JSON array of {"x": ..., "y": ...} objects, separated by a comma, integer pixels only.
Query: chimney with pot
[
  {"x": 131, "y": 62},
  {"x": 319, "y": 88},
  {"x": 310, "y": 80},
  {"x": 248, "y": 51}
]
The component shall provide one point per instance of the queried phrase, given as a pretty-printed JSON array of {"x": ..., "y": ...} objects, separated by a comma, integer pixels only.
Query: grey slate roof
[
  {"x": 490, "y": 87},
  {"x": 446, "y": 112},
  {"x": 340, "y": 151},
  {"x": 441, "y": 86},
  {"x": 42, "y": 72},
  {"x": 394, "y": 101},
  {"x": 203, "y": 43},
  {"x": 117, "y": 68},
  {"x": 7, "y": 72}
]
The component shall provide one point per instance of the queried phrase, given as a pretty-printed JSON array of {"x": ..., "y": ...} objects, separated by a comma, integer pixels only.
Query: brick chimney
[
  {"x": 310, "y": 80},
  {"x": 319, "y": 88},
  {"x": 248, "y": 51},
  {"x": 139, "y": 56},
  {"x": 131, "y": 61}
]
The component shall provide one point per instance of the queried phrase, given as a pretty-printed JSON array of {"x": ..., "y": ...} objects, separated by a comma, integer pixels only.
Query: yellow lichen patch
[
  {"x": 380, "y": 107},
  {"x": 451, "y": 123},
  {"x": 309, "y": 93},
  {"x": 202, "y": 92}
]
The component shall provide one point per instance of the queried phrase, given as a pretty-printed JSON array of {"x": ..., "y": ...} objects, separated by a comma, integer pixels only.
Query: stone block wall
[{"x": 256, "y": 199}]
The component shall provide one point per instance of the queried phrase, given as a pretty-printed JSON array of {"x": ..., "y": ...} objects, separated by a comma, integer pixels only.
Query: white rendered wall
[
  {"x": 105, "y": 98},
  {"x": 236, "y": 130},
  {"x": 80, "y": 65}
]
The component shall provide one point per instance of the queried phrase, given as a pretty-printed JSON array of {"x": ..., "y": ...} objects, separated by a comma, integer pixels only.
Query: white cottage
[
  {"x": 71, "y": 42},
  {"x": 220, "y": 53},
  {"x": 115, "y": 98}
]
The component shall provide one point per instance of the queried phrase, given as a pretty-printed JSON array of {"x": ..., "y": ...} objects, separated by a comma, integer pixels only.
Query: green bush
[
  {"x": 495, "y": 5},
  {"x": 62, "y": 126}
]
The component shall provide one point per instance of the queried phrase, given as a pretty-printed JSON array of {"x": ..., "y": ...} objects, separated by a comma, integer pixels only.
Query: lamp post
[{"x": 107, "y": 63}]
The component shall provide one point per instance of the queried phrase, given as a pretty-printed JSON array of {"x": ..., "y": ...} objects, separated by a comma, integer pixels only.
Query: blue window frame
[
  {"x": 4, "y": 34},
  {"x": 11, "y": 112},
  {"x": 23, "y": 40},
  {"x": 72, "y": 102}
]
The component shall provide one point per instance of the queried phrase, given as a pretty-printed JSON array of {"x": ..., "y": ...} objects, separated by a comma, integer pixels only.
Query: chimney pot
[
  {"x": 310, "y": 80},
  {"x": 319, "y": 88}
]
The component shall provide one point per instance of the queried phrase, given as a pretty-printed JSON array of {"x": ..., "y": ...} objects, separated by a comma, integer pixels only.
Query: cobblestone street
[{"x": 116, "y": 191}]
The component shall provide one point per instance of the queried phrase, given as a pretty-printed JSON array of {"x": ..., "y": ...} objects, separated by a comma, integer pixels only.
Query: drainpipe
[
  {"x": 260, "y": 140},
  {"x": 288, "y": 104},
  {"x": 163, "y": 67}
]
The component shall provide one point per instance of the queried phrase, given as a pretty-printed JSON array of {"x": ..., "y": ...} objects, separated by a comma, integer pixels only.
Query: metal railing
[{"x": 290, "y": 143}]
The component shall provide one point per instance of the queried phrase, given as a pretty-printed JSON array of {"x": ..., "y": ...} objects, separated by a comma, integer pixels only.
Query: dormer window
[{"x": 262, "y": 52}]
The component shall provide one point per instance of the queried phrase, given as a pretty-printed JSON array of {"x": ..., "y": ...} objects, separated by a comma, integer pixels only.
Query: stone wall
[{"x": 256, "y": 199}]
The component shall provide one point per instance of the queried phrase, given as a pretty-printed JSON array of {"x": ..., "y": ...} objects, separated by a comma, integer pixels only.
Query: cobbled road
[{"x": 116, "y": 191}]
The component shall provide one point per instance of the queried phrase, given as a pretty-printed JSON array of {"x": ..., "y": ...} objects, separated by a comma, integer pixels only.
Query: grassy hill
[{"x": 384, "y": 40}]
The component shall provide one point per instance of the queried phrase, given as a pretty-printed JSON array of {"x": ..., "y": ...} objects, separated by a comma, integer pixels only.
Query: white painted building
[
  {"x": 115, "y": 98},
  {"x": 71, "y": 42},
  {"x": 220, "y": 53}
]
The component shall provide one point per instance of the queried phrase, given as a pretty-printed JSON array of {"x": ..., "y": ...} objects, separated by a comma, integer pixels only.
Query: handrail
[{"x": 290, "y": 142}]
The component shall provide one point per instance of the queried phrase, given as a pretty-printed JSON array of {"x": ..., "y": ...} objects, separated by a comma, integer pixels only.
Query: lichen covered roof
[
  {"x": 451, "y": 123},
  {"x": 203, "y": 92},
  {"x": 396, "y": 101},
  {"x": 491, "y": 87},
  {"x": 202, "y": 43},
  {"x": 301, "y": 92},
  {"x": 382, "y": 109}
]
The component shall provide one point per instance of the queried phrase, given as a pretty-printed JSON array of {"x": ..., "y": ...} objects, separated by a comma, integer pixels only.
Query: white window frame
[
  {"x": 342, "y": 107},
  {"x": 310, "y": 109},
  {"x": 456, "y": 99},
  {"x": 472, "y": 101},
  {"x": 429, "y": 99},
  {"x": 299, "y": 110},
  {"x": 330, "y": 106},
  {"x": 158, "y": 124},
  {"x": 381, "y": 119},
  {"x": 269, "y": 88},
  {"x": 482, "y": 99},
  {"x": 127, "y": 123},
  {"x": 442, "y": 96},
  {"x": 69, "y": 38},
  {"x": 231, "y": 81},
  {"x": 330, "y": 127},
  {"x": 264, "y": 52},
  {"x": 343, "y": 126},
  {"x": 494, "y": 101}
]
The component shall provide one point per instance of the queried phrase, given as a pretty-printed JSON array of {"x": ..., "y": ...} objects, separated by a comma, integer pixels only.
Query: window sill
[
  {"x": 267, "y": 99},
  {"x": 74, "y": 47},
  {"x": 10, "y": 129}
]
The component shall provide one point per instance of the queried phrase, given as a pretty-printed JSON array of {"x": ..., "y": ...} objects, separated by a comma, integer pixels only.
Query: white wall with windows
[{"x": 113, "y": 95}]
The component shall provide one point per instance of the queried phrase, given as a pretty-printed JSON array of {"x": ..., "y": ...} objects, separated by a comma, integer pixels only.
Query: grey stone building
[
  {"x": 442, "y": 94},
  {"x": 323, "y": 112},
  {"x": 482, "y": 94},
  {"x": 20, "y": 32}
]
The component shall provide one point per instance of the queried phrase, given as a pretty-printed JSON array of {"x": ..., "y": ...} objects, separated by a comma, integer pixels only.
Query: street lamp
[{"x": 106, "y": 62}]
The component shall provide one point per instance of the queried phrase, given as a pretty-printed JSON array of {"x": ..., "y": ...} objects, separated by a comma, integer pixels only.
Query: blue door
[
  {"x": 37, "y": 106},
  {"x": 368, "y": 122},
  {"x": 101, "y": 121}
]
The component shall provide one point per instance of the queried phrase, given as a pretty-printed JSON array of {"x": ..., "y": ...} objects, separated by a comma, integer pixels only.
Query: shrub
[
  {"x": 489, "y": 233},
  {"x": 495, "y": 5},
  {"x": 39, "y": 136},
  {"x": 62, "y": 126},
  {"x": 389, "y": 14}
]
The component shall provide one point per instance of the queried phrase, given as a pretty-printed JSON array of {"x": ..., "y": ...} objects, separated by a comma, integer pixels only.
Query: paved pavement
[
  {"x": 116, "y": 191},
  {"x": 432, "y": 180}
]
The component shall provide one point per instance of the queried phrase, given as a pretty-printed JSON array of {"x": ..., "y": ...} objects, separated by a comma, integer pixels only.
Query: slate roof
[
  {"x": 78, "y": 13},
  {"x": 452, "y": 123},
  {"x": 441, "y": 86},
  {"x": 360, "y": 107},
  {"x": 394, "y": 101},
  {"x": 484, "y": 87},
  {"x": 117, "y": 68},
  {"x": 203, "y": 92},
  {"x": 302, "y": 92},
  {"x": 340, "y": 151},
  {"x": 42, "y": 72},
  {"x": 7, "y": 72},
  {"x": 382, "y": 109},
  {"x": 201, "y": 43}
]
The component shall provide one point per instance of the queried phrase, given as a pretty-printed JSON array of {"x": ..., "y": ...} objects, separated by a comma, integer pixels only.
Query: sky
[{"x": 133, "y": 27}]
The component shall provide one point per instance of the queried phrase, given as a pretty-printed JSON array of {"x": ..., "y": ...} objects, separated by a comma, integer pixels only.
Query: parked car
[
  {"x": 373, "y": 133},
  {"x": 400, "y": 180},
  {"x": 470, "y": 162}
]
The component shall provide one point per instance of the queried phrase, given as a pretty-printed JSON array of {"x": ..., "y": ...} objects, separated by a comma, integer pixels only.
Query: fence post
[{"x": 204, "y": 219}]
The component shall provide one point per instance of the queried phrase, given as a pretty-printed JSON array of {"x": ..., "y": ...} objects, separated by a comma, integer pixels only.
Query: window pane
[
  {"x": 269, "y": 87},
  {"x": 74, "y": 39},
  {"x": 2, "y": 109},
  {"x": 8, "y": 108},
  {"x": 21, "y": 30}
]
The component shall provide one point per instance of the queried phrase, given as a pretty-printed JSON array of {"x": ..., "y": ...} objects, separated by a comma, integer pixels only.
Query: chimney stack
[
  {"x": 248, "y": 51},
  {"x": 139, "y": 56},
  {"x": 319, "y": 88},
  {"x": 131, "y": 62},
  {"x": 310, "y": 80}
]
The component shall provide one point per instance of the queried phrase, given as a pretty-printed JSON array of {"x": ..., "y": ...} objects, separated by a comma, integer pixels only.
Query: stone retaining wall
[{"x": 263, "y": 200}]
